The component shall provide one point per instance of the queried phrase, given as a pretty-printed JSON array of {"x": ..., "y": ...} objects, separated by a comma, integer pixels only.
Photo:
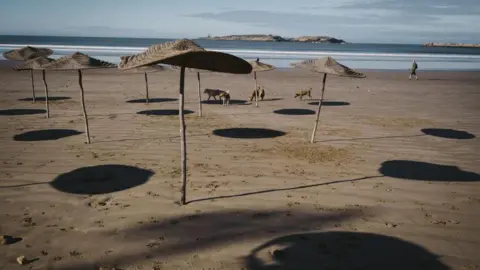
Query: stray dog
[
  {"x": 261, "y": 93},
  {"x": 302, "y": 93},
  {"x": 225, "y": 97},
  {"x": 213, "y": 93}
]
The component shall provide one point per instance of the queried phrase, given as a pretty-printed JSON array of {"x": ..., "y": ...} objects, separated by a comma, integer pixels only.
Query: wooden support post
[
  {"x": 33, "y": 86},
  {"x": 199, "y": 96},
  {"x": 312, "y": 140},
  {"x": 183, "y": 141},
  {"x": 82, "y": 95},
  {"x": 146, "y": 88},
  {"x": 46, "y": 94}
]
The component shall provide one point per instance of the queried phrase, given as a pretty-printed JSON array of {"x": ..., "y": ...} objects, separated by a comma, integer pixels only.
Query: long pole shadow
[
  {"x": 25, "y": 185},
  {"x": 374, "y": 138},
  {"x": 282, "y": 189}
]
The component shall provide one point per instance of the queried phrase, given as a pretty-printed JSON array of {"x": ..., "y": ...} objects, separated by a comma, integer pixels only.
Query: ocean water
[{"x": 280, "y": 54}]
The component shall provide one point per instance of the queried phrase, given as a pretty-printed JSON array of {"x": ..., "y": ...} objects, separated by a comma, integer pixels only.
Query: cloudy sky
[{"x": 390, "y": 21}]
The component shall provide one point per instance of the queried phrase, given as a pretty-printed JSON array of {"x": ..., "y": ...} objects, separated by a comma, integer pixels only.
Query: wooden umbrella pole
[
  {"x": 82, "y": 95},
  {"x": 312, "y": 140},
  {"x": 256, "y": 90},
  {"x": 146, "y": 88},
  {"x": 183, "y": 142},
  {"x": 33, "y": 86},
  {"x": 46, "y": 93},
  {"x": 199, "y": 96}
]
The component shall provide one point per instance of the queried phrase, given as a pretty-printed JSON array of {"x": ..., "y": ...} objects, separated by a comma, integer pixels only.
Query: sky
[{"x": 365, "y": 21}]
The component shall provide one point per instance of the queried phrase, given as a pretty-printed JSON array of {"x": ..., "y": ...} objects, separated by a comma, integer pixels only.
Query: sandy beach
[{"x": 391, "y": 183}]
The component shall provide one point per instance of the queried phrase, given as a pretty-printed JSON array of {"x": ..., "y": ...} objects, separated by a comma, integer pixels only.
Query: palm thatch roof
[
  {"x": 328, "y": 65},
  {"x": 27, "y": 53},
  {"x": 186, "y": 53},
  {"x": 77, "y": 61},
  {"x": 258, "y": 66},
  {"x": 34, "y": 64}
]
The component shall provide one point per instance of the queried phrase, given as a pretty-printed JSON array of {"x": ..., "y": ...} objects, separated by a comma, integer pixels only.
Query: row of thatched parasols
[{"x": 183, "y": 54}]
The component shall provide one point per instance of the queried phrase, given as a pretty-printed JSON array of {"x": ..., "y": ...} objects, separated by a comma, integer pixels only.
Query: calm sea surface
[{"x": 280, "y": 54}]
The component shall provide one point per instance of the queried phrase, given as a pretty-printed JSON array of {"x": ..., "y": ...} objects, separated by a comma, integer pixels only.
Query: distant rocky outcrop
[
  {"x": 318, "y": 39},
  {"x": 273, "y": 38},
  {"x": 454, "y": 45}
]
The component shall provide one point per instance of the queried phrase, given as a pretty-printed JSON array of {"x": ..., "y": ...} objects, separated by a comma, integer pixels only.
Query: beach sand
[{"x": 384, "y": 187}]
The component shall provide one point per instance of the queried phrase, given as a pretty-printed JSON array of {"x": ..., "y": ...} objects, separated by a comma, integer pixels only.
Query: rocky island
[
  {"x": 452, "y": 45},
  {"x": 274, "y": 38}
]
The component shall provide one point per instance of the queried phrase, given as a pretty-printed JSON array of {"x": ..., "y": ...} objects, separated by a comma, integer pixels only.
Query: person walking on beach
[{"x": 413, "y": 70}]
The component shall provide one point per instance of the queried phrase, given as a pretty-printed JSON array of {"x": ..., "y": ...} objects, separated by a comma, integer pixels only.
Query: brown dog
[
  {"x": 225, "y": 97},
  {"x": 302, "y": 93},
  {"x": 213, "y": 93},
  {"x": 261, "y": 93}
]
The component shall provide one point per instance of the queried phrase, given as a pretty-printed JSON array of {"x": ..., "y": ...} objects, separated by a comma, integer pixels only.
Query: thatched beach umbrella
[
  {"x": 79, "y": 61},
  {"x": 36, "y": 64},
  {"x": 145, "y": 70},
  {"x": 258, "y": 66},
  {"x": 198, "y": 71},
  {"x": 326, "y": 66},
  {"x": 186, "y": 54},
  {"x": 28, "y": 53}
]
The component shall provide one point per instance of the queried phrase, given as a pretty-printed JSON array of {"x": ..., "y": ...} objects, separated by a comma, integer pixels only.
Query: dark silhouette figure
[
  {"x": 101, "y": 179},
  {"x": 248, "y": 133},
  {"x": 423, "y": 171},
  {"x": 448, "y": 133},
  {"x": 342, "y": 251},
  {"x": 45, "y": 135}
]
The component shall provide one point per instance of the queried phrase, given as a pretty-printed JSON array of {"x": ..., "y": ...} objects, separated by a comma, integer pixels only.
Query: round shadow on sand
[
  {"x": 45, "y": 135},
  {"x": 423, "y": 171},
  {"x": 448, "y": 133},
  {"x": 219, "y": 102},
  {"x": 248, "y": 133},
  {"x": 270, "y": 99},
  {"x": 43, "y": 99},
  {"x": 163, "y": 112},
  {"x": 294, "y": 111},
  {"x": 330, "y": 103},
  {"x": 341, "y": 250},
  {"x": 151, "y": 100},
  {"x": 101, "y": 179},
  {"x": 21, "y": 111}
]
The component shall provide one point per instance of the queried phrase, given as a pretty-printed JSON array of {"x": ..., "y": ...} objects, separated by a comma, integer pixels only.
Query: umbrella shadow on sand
[
  {"x": 152, "y": 100},
  {"x": 192, "y": 233},
  {"x": 13, "y": 112},
  {"x": 423, "y": 171},
  {"x": 101, "y": 179},
  {"x": 248, "y": 133},
  {"x": 45, "y": 135},
  {"x": 329, "y": 103},
  {"x": 294, "y": 112},
  {"x": 342, "y": 251},
  {"x": 43, "y": 99},
  {"x": 219, "y": 102},
  {"x": 163, "y": 112},
  {"x": 448, "y": 133}
]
